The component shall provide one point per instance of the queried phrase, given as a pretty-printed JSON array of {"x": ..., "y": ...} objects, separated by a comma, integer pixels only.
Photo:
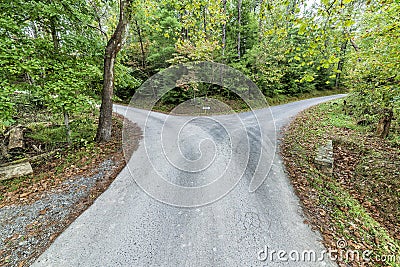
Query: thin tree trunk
[
  {"x": 34, "y": 30},
  {"x": 260, "y": 21},
  {"x": 224, "y": 29},
  {"x": 113, "y": 47},
  {"x": 97, "y": 16},
  {"x": 54, "y": 34},
  {"x": 56, "y": 44},
  {"x": 184, "y": 30},
  {"x": 67, "y": 126},
  {"x": 205, "y": 20},
  {"x": 341, "y": 63},
  {"x": 239, "y": 7},
  {"x": 139, "y": 32}
]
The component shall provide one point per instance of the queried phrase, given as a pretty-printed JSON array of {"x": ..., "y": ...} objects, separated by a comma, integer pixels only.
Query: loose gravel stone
[{"x": 24, "y": 228}]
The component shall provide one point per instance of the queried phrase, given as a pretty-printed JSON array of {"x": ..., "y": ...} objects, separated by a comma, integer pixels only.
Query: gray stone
[
  {"x": 16, "y": 138},
  {"x": 15, "y": 170},
  {"x": 3, "y": 151},
  {"x": 324, "y": 158}
]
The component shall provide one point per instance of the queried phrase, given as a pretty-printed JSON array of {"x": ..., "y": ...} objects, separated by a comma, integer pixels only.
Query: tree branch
[
  {"x": 354, "y": 45},
  {"x": 99, "y": 29}
]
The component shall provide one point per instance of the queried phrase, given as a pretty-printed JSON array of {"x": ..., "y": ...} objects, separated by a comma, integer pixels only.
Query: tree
[
  {"x": 114, "y": 45},
  {"x": 239, "y": 18},
  {"x": 53, "y": 50},
  {"x": 49, "y": 58},
  {"x": 374, "y": 70},
  {"x": 224, "y": 29}
]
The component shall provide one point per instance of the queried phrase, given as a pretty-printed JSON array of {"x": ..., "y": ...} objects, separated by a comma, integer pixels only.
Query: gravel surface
[{"x": 25, "y": 230}]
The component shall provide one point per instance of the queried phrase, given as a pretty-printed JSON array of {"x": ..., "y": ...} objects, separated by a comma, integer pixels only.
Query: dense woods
[{"x": 58, "y": 55}]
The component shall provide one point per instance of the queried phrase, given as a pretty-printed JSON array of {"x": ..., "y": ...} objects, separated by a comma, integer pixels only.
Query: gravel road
[{"x": 128, "y": 227}]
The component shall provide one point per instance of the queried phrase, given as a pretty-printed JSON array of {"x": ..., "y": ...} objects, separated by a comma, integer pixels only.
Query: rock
[
  {"x": 16, "y": 137},
  {"x": 3, "y": 151},
  {"x": 383, "y": 127},
  {"x": 15, "y": 170},
  {"x": 324, "y": 158}
]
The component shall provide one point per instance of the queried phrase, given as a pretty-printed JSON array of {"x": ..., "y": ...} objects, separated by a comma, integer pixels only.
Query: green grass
[
  {"x": 82, "y": 130},
  {"x": 394, "y": 139},
  {"x": 336, "y": 117},
  {"x": 342, "y": 121},
  {"x": 282, "y": 99}
]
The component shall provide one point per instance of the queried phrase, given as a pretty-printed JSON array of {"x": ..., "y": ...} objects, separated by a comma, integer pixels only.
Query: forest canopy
[{"x": 51, "y": 52}]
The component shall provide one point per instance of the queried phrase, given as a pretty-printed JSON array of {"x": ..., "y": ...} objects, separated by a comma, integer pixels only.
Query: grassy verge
[
  {"x": 282, "y": 99},
  {"x": 359, "y": 203}
]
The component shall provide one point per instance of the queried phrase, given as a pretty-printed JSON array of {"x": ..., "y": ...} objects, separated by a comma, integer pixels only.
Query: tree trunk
[
  {"x": 113, "y": 47},
  {"x": 56, "y": 44},
  {"x": 139, "y": 32},
  {"x": 34, "y": 30},
  {"x": 67, "y": 126},
  {"x": 205, "y": 21},
  {"x": 224, "y": 30},
  {"x": 239, "y": 7},
  {"x": 384, "y": 123},
  {"x": 97, "y": 15},
  {"x": 341, "y": 63},
  {"x": 184, "y": 30},
  {"x": 260, "y": 21},
  {"x": 54, "y": 34}
]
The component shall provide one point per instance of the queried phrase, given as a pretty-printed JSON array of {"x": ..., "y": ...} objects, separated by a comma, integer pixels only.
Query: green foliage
[
  {"x": 6, "y": 106},
  {"x": 54, "y": 50},
  {"x": 83, "y": 132},
  {"x": 125, "y": 81},
  {"x": 282, "y": 50},
  {"x": 48, "y": 52},
  {"x": 373, "y": 72},
  {"x": 337, "y": 118}
]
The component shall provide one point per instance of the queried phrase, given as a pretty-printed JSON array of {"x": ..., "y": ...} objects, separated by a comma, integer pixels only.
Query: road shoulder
[{"x": 357, "y": 206}]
